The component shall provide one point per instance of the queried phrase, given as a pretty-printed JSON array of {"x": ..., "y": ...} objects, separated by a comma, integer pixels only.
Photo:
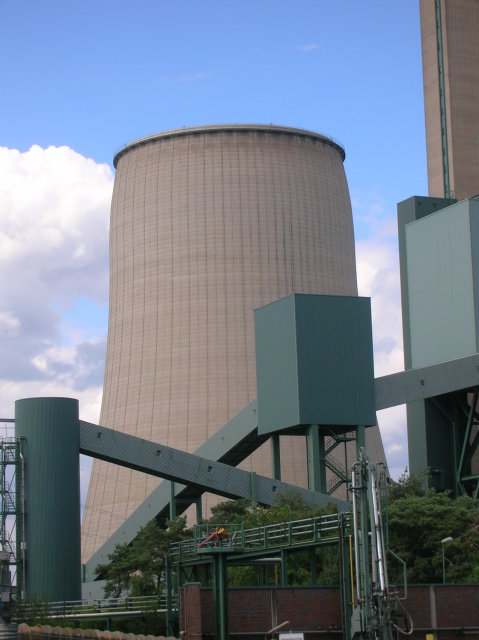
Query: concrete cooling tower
[{"x": 207, "y": 224}]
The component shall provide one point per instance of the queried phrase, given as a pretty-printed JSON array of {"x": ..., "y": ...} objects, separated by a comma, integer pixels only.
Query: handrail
[
  {"x": 95, "y": 608},
  {"x": 266, "y": 537}
]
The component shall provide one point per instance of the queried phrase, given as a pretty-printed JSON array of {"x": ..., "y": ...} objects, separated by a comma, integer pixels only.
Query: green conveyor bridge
[
  {"x": 215, "y": 547},
  {"x": 239, "y": 438},
  {"x": 212, "y": 467},
  {"x": 260, "y": 541}
]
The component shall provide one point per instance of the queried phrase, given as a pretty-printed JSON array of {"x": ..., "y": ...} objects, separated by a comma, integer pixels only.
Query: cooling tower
[{"x": 207, "y": 224}]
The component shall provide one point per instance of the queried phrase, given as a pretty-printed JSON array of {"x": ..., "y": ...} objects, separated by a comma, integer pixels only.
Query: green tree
[
  {"x": 286, "y": 507},
  {"x": 136, "y": 569},
  {"x": 117, "y": 571},
  {"x": 419, "y": 519},
  {"x": 230, "y": 511},
  {"x": 290, "y": 506},
  {"x": 407, "y": 485}
]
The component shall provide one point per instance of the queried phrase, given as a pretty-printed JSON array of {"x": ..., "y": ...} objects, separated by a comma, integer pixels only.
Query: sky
[{"x": 78, "y": 80}]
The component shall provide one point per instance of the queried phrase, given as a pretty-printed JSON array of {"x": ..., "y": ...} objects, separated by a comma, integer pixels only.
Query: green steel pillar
[
  {"x": 316, "y": 459},
  {"x": 199, "y": 510},
  {"x": 276, "y": 456},
  {"x": 50, "y": 433},
  {"x": 172, "y": 501},
  {"x": 345, "y": 578},
  {"x": 284, "y": 568},
  {"x": 254, "y": 496},
  {"x": 178, "y": 502},
  {"x": 169, "y": 598},
  {"x": 220, "y": 592},
  {"x": 360, "y": 439},
  {"x": 262, "y": 575}
]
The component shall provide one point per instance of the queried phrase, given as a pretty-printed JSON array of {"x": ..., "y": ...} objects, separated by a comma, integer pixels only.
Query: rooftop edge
[{"x": 213, "y": 128}]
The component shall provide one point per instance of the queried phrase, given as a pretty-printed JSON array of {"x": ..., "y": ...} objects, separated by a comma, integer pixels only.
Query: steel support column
[
  {"x": 276, "y": 456},
  {"x": 220, "y": 593},
  {"x": 316, "y": 459}
]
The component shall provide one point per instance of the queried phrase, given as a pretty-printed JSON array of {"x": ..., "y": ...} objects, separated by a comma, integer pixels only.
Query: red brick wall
[
  {"x": 255, "y": 611},
  {"x": 191, "y": 618},
  {"x": 309, "y": 609},
  {"x": 418, "y": 607},
  {"x": 317, "y": 611},
  {"x": 249, "y": 610},
  {"x": 457, "y": 601}
]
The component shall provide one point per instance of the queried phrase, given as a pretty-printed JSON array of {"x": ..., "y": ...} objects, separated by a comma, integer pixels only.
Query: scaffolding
[{"x": 12, "y": 544}]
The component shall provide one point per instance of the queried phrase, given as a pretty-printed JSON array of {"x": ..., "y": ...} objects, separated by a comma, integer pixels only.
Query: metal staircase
[
  {"x": 339, "y": 472},
  {"x": 11, "y": 521}
]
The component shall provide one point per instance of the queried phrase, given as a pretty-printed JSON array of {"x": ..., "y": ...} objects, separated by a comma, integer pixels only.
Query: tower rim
[{"x": 223, "y": 128}]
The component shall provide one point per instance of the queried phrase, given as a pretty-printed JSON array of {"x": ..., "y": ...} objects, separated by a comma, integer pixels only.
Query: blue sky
[
  {"x": 80, "y": 79},
  {"x": 96, "y": 74}
]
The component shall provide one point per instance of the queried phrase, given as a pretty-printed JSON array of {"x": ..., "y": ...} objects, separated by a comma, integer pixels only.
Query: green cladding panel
[
  {"x": 442, "y": 279},
  {"x": 439, "y": 263},
  {"x": 314, "y": 362},
  {"x": 410, "y": 210},
  {"x": 51, "y": 439}
]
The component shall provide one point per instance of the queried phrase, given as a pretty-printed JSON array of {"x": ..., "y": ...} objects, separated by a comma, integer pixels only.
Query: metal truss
[
  {"x": 460, "y": 410},
  {"x": 11, "y": 516}
]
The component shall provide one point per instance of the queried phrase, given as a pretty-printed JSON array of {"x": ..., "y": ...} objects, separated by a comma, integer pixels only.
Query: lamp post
[{"x": 444, "y": 541}]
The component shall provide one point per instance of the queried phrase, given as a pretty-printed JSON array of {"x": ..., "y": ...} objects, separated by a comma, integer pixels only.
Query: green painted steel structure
[
  {"x": 378, "y": 609},
  {"x": 49, "y": 431},
  {"x": 439, "y": 265},
  {"x": 312, "y": 352},
  {"x": 371, "y": 607},
  {"x": 214, "y": 548},
  {"x": 11, "y": 491}
]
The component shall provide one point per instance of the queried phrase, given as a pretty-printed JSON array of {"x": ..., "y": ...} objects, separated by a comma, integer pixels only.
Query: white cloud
[
  {"x": 377, "y": 258},
  {"x": 54, "y": 217},
  {"x": 395, "y": 448},
  {"x": 89, "y": 398},
  {"x": 54, "y": 213},
  {"x": 378, "y": 277},
  {"x": 89, "y": 405},
  {"x": 9, "y": 324},
  {"x": 307, "y": 48}
]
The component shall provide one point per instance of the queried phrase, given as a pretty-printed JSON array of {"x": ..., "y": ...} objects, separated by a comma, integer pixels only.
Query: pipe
[
  {"x": 353, "y": 596},
  {"x": 277, "y": 628},
  {"x": 356, "y": 539},
  {"x": 378, "y": 533}
]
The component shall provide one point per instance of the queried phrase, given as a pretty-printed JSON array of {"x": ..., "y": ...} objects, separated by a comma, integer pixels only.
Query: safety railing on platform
[
  {"x": 274, "y": 536},
  {"x": 109, "y": 607}
]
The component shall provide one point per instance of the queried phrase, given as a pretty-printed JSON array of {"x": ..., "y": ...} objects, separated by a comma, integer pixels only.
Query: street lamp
[{"x": 444, "y": 541}]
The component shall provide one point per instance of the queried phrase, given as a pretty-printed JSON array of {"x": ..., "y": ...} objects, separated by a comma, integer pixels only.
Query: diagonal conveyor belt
[
  {"x": 239, "y": 438},
  {"x": 427, "y": 382},
  {"x": 200, "y": 473}
]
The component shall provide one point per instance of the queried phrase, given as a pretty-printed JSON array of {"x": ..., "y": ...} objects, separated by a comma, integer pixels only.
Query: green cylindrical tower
[{"x": 49, "y": 428}]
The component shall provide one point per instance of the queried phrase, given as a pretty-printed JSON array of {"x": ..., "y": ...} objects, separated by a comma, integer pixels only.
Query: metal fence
[
  {"x": 91, "y": 609},
  {"x": 263, "y": 538}
]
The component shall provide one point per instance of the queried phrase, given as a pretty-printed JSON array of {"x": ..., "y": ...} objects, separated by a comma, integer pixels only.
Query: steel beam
[
  {"x": 231, "y": 444},
  {"x": 427, "y": 382},
  {"x": 179, "y": 466},
  {"x": 239, "y": 438}
]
